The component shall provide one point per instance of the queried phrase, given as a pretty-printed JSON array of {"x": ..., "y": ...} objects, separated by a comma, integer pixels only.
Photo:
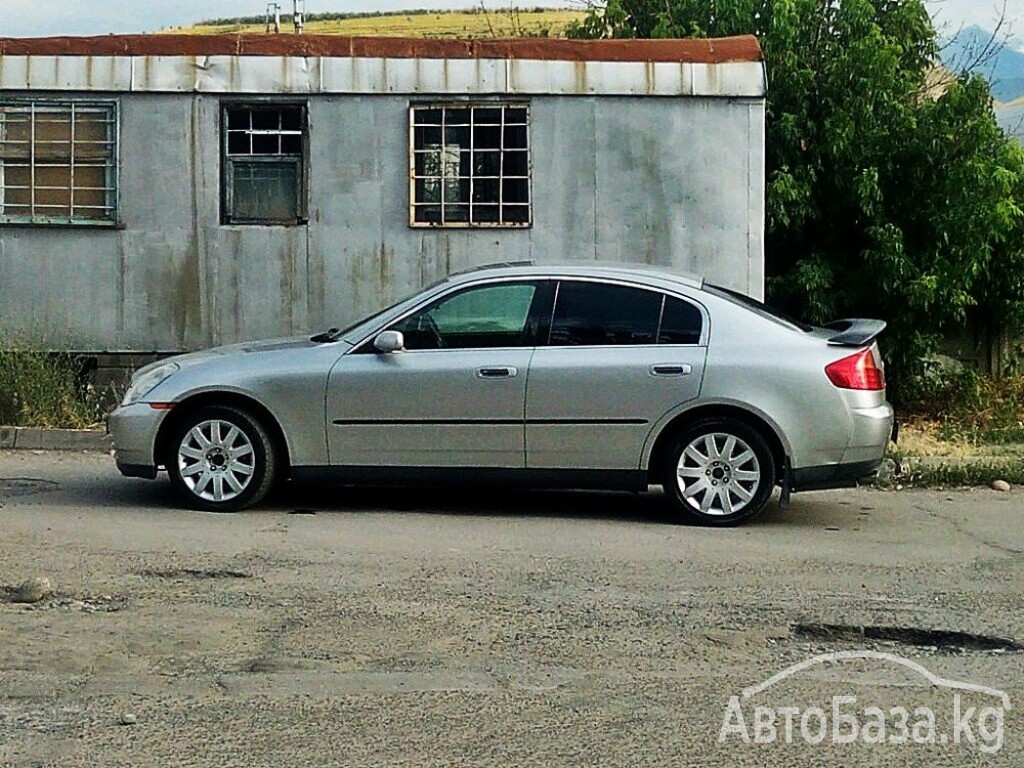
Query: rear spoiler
[{"x": 854, "y": 332}]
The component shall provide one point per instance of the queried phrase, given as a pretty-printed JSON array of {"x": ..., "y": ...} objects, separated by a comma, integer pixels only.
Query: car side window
[
  {"x": 483, "y": 316},
  {"x": 681, "y": 322},
  {"x": 599, "y": 314}
]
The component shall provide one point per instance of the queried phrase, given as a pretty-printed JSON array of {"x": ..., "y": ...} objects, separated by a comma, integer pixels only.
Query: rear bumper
[{"x": 833, "y": 475}]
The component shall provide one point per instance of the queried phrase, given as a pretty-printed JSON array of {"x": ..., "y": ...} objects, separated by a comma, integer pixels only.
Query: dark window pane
[
  {"x": 515, "y": 137},
  {"x": 238, "y": 119},
  {"x": 266, "y": 120},
  {"x": 597, "y": 314},
  {"x": 458, "y": 136},
  {"x": 291, "y": 119},
  {"x": 487, "y": 137},
  {"x": 486, "y": 190},
  {"x": 680, "y": 323},
  {"x": 456, "y": 212},
  {"x": 428, "y": 214},
  {"x": 487, "y": 214},
  {"x": 239, "y": 143},
  {"x": 426, "y": 138},
  {"x": 456, "y": 117},
  {"x": 427, "y": 164},
  {"x": 515, "y": 115},
  {"x": 515, "y": 214},
  {"x": 516, "y": 163},
  {"x": 291, "y": 144},
  {"x": 427, "y": 116},
  {"x": 487, "y": 163},
  {"x": 457, "y": 190},
  {"x": 264, "y": 144},
  {"x": 265, "y": 191},
  {"x": 515, "y": 191},
  {"x": 487, "y": 116},
  {"x": 428, "y": 190}
]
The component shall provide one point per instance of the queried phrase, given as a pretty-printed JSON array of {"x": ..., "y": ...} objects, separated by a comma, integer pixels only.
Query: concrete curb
[{"x": 37, "y": 439}]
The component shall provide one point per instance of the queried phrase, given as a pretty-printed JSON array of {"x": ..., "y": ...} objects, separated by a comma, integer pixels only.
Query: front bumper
[{"x": 134, "y": 429}]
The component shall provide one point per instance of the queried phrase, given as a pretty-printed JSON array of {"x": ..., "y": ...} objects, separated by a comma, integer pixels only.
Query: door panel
[
  {"x": 442, "y": 408},
  {"x": 593, "y": 407},
  {"x": 453, "y": 398},
  {"x": 618, "y": 358}
]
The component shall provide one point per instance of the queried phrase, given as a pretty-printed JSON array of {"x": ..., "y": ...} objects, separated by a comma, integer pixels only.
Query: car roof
[{"x": 643, "y": 273}]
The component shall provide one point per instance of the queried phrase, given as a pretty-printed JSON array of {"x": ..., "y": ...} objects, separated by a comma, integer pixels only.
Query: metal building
[{"x": 163, "y": 193}]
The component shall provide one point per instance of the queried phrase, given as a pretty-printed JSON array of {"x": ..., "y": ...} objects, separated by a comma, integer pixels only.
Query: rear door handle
[
  {"x": 497, "y": 373},
  {"x": 672, "y": 370}
]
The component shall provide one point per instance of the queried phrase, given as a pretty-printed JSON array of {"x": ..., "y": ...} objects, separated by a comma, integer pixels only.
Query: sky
[{"x": 39, "y": 18}]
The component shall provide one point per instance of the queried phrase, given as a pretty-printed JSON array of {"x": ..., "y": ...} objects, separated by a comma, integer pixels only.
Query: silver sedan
[{"x": 579, "y": 377}]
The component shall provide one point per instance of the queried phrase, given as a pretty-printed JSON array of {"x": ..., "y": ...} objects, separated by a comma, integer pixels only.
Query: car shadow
[{"x": 310, "y": 498}]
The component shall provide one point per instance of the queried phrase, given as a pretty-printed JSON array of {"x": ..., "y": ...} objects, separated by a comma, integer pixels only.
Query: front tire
[
  {"x": 221, "y": 459},
  {"x": 719, "y": 472}
]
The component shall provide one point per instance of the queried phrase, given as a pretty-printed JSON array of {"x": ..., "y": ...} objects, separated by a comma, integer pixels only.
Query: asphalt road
[{"x": 335, "y": 626}]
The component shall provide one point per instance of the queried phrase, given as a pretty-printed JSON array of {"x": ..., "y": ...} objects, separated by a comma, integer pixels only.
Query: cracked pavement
[{"x": 362, "y": 627}]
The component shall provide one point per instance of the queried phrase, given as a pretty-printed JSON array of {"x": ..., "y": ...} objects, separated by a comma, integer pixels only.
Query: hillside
[
  {"x": 534, "y": 22},
  {"x": 1004, "y": 69},
  {"x": 1011, "y": 118}
]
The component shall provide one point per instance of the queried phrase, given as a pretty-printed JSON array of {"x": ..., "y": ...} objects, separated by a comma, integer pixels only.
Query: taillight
[{"x": 859, "y": 371}]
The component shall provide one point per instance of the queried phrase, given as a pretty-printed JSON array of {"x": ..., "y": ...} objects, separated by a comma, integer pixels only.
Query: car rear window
[{"x": 757, "y": 306}]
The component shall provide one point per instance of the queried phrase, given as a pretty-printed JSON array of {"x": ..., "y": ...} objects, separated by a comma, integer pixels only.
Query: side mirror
[{"x": 389, "y": 341}]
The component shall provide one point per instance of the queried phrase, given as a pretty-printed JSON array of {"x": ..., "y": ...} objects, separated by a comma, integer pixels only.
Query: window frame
[
  {"x": 228, "y": 163},
  {"x": 111, "y": 166},
  {"x": 548, "y": 324},
  {"x": 469, "y": 223}
]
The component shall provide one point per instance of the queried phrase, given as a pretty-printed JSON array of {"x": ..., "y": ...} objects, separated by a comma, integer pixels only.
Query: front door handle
[
  {"x": 497, "y": 373},
  {"x": 673, "y": 369}
]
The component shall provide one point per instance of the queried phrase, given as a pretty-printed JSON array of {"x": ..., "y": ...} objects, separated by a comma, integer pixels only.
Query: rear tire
[
  {"x": 719, "y": 472},
  {"x": 221, "y": 459}
]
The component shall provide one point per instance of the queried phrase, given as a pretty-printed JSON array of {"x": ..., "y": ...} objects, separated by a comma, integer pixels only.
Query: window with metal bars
[
  {"x": 470, "y": 165},
  {"x": 264, "y": 177},
  {"x": 58, "y": 162}
]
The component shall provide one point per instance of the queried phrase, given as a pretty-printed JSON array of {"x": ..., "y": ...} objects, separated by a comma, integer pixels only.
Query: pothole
[
  {"x": 911, "y": 636},
  {"x": 194, "y": 573},
  {"x": 25, "y": 486}
]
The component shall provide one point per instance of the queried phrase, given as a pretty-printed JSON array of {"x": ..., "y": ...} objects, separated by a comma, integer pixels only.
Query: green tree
[{"x": 887, "y": 194}]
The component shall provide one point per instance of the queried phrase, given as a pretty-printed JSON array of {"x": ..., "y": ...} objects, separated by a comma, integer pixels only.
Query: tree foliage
[{"x": 886, "y": 195}]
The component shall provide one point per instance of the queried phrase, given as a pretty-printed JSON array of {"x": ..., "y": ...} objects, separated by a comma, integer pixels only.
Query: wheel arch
[
  {"x": 771, "y": 434},
  {"x": 250, "y": 405}
]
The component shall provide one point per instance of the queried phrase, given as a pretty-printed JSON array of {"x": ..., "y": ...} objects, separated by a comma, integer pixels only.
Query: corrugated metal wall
[{"x": 661, "y": 180}]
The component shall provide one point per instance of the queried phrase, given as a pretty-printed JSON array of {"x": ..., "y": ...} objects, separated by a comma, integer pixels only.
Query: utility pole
[{"x": 298, "y": 15}]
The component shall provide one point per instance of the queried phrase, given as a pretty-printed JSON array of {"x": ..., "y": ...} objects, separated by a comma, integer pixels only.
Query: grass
[
  {"x": 969, "y": 409},
  {"x": 533, "y": 22},
  {"x": 960, "y": 429},
  {"x": 46, "y": 389}
]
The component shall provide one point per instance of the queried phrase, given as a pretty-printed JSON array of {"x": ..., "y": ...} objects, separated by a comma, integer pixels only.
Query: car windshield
[{"x": 757, "y": 306}]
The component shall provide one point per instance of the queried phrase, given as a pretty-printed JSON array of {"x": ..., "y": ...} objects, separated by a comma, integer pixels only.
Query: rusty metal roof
[{"x": 713, "y": 51}]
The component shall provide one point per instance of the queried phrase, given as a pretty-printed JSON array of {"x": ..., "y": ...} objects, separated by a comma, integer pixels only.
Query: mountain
[
  {"x": 1011, "y": 118},
  {"x": 1002, "y": 65}
]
